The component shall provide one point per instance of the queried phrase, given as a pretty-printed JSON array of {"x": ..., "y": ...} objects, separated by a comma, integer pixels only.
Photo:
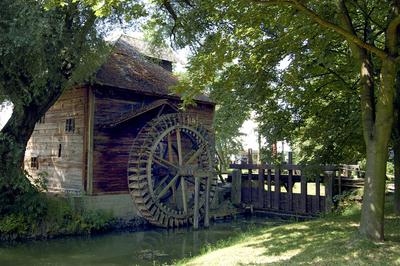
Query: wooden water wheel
[{"x": 168, "y": 154}]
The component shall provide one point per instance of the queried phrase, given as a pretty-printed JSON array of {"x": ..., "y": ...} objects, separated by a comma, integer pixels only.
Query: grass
[{"x": 331, "y": 240}]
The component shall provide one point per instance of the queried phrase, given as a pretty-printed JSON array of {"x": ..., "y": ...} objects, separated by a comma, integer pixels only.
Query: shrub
[{"x": 56, "y": 217}]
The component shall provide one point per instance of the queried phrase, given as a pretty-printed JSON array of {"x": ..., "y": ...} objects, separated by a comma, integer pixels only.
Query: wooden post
[
  {"x": 89, "y": 169},
  {"x": 250, "y": 173},
  {"x": 317, "y": 193},
  {"x": 290, "y": 189},
  {"x": 261, "y": 187},
  {"x": 303, "y": 195},
  {"x": 290, "y": 157},
  {"x": 207, "y": 203},
  {"x": 236, "y": 191},
  {"x": 340, "y": 183},
  {"x": 329, "y": 175},
  {"x": 196, "y": 202},
  {"x": 269, "y": 181},
  {"x": 277, "y": 189}
]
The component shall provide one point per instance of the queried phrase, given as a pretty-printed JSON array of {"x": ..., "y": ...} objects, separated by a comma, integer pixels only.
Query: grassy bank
[
  {"x": 54, "y": 218},
  {"x": 327, "y": 241}
]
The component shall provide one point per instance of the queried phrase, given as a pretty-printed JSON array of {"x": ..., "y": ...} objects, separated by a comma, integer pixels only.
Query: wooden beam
[
  {"x": 236, "y": 190},
  {"x": 329, "y": 177},
  {"x": 90, "y": 129},
  {"x": 269, "y": 185},
  {"x": 207, "y": 204},
  {"x": 303, "y": 193},
  {"x": 317, "y": 193},
  {"x": 282, "y": 167},
  {"x": 261, "y": 190},
  {"x": 277, "y": 192},
  {"x": 290, "y": 190},
  {"x": 184, "y": 195},
  {"x": 196, "y": 203}
]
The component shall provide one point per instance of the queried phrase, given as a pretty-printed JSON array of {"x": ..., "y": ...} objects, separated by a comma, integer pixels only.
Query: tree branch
[{"x": 349, "y": 36}]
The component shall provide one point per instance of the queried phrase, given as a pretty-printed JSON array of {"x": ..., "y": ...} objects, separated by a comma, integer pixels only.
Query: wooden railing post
[
  {"x": 236, "y": 191},
  {"x": 250, "y": 173},
  {"x": 290, "y": 190},
  {"x": 317, "y": 192},
  {"x": 303, "y": 191},
  {"x": 261, "y": 189},
  {"x": 269, "y": 185},
  {"x": 290, "y": 157},
  {"x": 329, "y": 177},
  {"x": 277, "y": 189}
]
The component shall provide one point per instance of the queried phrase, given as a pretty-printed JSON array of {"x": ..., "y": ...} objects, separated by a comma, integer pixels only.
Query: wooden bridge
[{"x": 292, "y": 189}]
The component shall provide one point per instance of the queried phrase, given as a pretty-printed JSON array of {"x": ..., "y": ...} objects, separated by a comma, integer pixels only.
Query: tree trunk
[
  {"x": 396, "y": 147},
  {"x": 374, "y": 192},
  {"x": 396, "y": 150},
  {"x": 377, "y": 139},
  {"x": 13, "y": 139}
]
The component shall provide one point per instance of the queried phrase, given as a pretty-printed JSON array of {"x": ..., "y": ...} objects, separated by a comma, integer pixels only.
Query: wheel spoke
[
  {"x": 179, "y": 143},
  {"x": 170, "y": 157},
  {"x": 196, "y": 154},
  {"x": 160, "y": 184},
  {"x": 184, "y": 196},
  {"x": 157, "y": 159},
  {"x": 165, "y": 189}
]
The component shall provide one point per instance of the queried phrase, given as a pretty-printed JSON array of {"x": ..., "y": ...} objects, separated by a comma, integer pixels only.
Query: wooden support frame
[
  {"x": 317, "y": 193},
  {"x": 277, "y": 186},
  {"x": 269, "y": 185},
  {"x": 303, "y": 195},
  {"x": 329, "y": 177},
  {"x": 290, "y": 190},
  {"x": 90, "y": 141},
  {"x": 207, "y": 203},
  {"x": 261, "y": 190},
  {"x": 236, "y": 190},
  {"x": 196, "y": 202}
]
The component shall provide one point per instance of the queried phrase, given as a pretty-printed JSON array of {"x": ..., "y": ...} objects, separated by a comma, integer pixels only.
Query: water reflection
[{"x": 152, "y": 247}]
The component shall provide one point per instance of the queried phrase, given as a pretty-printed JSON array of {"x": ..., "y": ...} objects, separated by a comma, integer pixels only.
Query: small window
[
  {"x": 34, "y": 163},
  {"x": 59, "y": 150},
  {"x": 42, "y": 120},
  {"x": 70, "y": 125}
]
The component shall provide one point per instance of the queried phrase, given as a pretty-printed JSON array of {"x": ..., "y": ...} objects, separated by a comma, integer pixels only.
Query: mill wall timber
[
  {"x": 112, "y": 145},
  {"x": 65, "y": 173}
]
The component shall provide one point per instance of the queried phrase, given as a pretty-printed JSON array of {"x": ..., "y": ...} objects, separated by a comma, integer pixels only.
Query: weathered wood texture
[
  {"x": 236, "y": 191},
  {"x": 112, "y": 145},
  {"x": 60, "y": 153},
  {"x": 290, "y": 189}
]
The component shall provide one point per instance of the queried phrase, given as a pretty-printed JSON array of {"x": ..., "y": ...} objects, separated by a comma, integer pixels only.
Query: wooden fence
[{"x": 292, "y": 189}]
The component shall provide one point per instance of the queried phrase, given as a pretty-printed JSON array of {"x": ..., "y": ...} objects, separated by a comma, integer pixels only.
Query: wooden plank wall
[
  {"x": 112, "y": 145},
  {"x": 65, "y": 173}
]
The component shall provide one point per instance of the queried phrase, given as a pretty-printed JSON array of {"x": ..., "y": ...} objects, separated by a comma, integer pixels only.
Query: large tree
[
  {"x": 46, "y": 47},
  {"x": 219, "y": 30}
]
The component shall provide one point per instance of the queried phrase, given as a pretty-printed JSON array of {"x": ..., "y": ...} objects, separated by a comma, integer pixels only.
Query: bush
[
  {"x": 348, "y": 200},
  {"x": 56, "y": 218}
]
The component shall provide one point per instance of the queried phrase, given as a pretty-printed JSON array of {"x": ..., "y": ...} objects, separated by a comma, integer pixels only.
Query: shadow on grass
[{"x": 333, "y": 240}]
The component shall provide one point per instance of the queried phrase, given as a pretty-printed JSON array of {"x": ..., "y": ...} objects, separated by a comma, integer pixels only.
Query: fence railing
[{"x": 292, "y": 188}]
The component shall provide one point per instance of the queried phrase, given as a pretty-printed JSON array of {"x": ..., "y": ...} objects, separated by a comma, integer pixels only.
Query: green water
[{"x": 150, "y": 247}]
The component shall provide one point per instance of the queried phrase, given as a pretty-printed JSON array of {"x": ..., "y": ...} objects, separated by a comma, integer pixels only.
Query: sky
[{"x": 5, "y": 114}]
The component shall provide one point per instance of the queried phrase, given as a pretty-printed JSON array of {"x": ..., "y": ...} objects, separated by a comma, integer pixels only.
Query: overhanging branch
[{"x": 349, "y": 36}]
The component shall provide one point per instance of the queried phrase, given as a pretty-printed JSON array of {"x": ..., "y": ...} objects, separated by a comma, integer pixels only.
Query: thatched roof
[{"x": 128, "y": 68}]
